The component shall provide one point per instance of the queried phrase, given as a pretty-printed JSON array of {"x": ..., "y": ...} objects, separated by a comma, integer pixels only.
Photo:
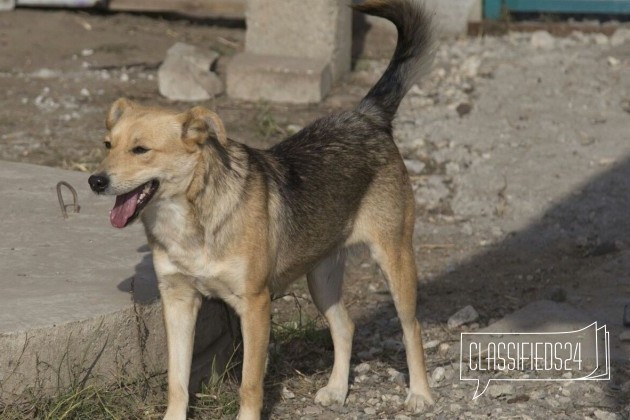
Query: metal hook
[{"x": 62, "y": 204}]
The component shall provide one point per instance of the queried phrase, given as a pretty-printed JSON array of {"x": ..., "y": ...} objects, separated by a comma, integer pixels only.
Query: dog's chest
[{"x": 183, "y": 250}]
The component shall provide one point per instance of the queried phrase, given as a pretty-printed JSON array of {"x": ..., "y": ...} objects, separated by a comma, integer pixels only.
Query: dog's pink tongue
[{"x": 124, "y": 208}]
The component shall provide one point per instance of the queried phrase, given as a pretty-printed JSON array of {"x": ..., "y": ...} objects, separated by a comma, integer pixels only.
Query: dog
[{"x": 229, "y": 221}]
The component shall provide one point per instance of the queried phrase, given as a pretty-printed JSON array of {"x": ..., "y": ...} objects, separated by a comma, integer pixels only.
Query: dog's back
[{"x": 324, "y": 172}]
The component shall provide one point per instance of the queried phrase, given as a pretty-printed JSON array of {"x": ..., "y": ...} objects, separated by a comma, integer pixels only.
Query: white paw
[
  {"x": 416, "y": 403},
  {"x": 329, "y": 396}
]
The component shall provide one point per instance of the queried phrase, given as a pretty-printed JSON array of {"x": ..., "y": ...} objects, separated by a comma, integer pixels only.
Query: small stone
[
  {"x": 601, "y": 39},
  {"x": 185, "y": 74},
  {"x": 621, "y": 36},
  {"x": 124, "y": 77},
  {"x": 463, "y": 109},
  {"x": 414, "y": 166},
  {"x": 313, "y": 410},
  {"x": 87, "y": 52},
  {"x": 463, "y": 316},
  {"x": 45, "y": 73},
  {"x": 369, "y": 411},
  {"x": 624, "y": 336},
  {"x": 605, "y": 415},
  {"x": 452, "y": 168},
  {"x": 287, "y": 394},
  {"x": 362, "y": 368},
  {"x": 402, "y": 417},
  {"x": 293, "y": 128},
  {"x": 613, "y": 61},
  {"x": 542, "y": 40},
  {"x": 85, "y": 92},
  {"x": 438, "y": 374},
  {"x": 496, "y": 391},
  {"x": 396, "y": 377},
  {"x": 431, "y": 344},
  {"x": 470, "y": 66}
]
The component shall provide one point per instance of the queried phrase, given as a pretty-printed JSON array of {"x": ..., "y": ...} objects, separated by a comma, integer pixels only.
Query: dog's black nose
[{"x": 98, "y": 182}]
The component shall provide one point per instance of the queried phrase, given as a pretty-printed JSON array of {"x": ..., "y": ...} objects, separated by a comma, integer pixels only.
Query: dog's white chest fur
[{"x": 184, "y": 250}]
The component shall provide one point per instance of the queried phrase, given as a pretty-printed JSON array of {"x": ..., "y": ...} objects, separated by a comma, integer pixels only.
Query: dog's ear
[
  {"x": 117, "y": 110},
  {"x": 199, "y": 123}
]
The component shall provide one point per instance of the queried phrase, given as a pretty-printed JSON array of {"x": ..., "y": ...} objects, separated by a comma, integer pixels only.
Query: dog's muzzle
[{"x": 98, "y": 182}]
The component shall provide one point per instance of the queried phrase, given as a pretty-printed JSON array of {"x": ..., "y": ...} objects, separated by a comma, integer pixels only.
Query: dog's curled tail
[{"x": 413, "y": 55}]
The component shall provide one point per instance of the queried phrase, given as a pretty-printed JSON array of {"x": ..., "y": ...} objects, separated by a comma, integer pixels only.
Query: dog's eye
[
  {"x": 138, "y": 150},
  {"x": 108, "y": 144}
]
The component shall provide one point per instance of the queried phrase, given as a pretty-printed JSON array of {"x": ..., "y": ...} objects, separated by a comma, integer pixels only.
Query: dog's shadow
[{"x": 217, "y": 331}]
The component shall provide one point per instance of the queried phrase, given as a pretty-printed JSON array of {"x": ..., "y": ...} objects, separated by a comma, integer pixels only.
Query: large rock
[{"x": 185, "y": 74}]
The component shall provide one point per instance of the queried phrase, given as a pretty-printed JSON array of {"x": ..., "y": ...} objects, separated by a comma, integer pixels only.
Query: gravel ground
[{"x": 518, "y": 150}]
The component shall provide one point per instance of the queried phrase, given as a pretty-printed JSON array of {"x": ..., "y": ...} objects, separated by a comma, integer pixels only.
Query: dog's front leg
[
  {"x": 180, "y": 302},
  {"x": 255, "y": 320}
]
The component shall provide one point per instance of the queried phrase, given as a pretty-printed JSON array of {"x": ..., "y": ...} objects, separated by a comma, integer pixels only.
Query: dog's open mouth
[{"x": 129, "y": 205}]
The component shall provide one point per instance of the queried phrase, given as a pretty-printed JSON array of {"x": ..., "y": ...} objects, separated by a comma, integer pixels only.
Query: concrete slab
[
  {"x": 78, "y": 296},
  {"x": 314, "y": 29},
  {"x": 256, "y": 77}
]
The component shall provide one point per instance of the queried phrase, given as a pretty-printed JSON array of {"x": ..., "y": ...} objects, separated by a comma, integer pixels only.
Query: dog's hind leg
[
  {"x": 393, "y": 251},
  {"x": 181, "y": 305},
  {"x": 325, "y": 284}
]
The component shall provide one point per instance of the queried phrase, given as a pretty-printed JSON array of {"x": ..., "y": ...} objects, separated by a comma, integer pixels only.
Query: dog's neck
[
  {"x": 211, "y": 199},
  {"x": 218, "y": 182}
]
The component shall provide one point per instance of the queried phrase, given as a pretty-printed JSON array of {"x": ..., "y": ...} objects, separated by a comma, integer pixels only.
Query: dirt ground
[{"x": 519, "y": 157}]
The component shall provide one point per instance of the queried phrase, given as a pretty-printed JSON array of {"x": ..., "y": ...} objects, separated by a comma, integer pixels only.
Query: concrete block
[
  {"x": 452, "y": 16},
  {"x": 315, "y": 29},
  {"x": 7, "y": 5},
  {"x": 78, "y": 295},
  {"x": 256, "y": 77},
  {"x": 185, "y": 74}
]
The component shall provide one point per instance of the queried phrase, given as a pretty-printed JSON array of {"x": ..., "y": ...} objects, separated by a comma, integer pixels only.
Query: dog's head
[{"x": 152, "y": 155}]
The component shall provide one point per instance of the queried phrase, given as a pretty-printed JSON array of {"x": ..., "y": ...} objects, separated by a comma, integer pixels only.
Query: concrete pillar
[
  {"x": 294, "y": 50},
  {"x": 7, "y": 5}
]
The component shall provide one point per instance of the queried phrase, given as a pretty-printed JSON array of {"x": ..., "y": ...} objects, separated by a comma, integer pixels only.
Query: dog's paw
[
  {"x": 329, "y": 396},
  {"x": 416, "y": 403}
]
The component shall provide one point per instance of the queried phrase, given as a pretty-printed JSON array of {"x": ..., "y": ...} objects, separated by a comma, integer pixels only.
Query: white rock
[
  {"x": 185, "y": 74},
  {"x": 463, "y": 316},
  {"x": 287, "y": 394},
  {"x": 470, "y": 66},
  {"x": 45, "y": 73},
  {"x": 542, "y": 40},
  {"x": 431, "y": 344},
  {"x": 605, "y": 415},
  {"x": 414, "y": 166},
  {"x": 498, "y": 390},
  {"x": 293, "y": 128},
  {"x": 369, "y": 411},
  {"x": 601, "y": 39},
  {"x": 613, "y": 61},
  {"x": 362, "y": 368},
  {"x": 621, "y": 36},
  {"x": 438, "y": 374}
]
